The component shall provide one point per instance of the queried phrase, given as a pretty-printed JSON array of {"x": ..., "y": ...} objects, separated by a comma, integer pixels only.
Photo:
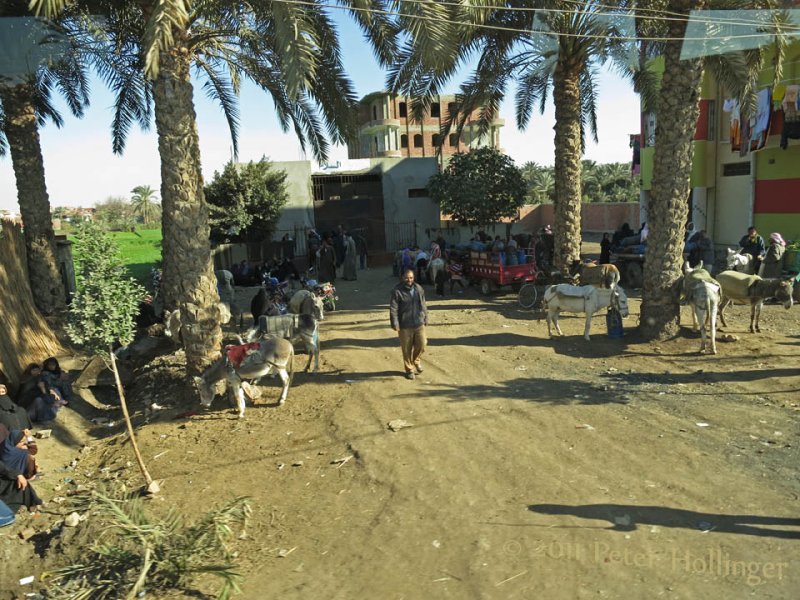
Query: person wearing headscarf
[
  {"x": 16, "y": 452},
  {"x": 772, "y": 265},
  {"x": 12, "y": 415},
  {"x": 16, "y": 491},
  {"x": 42, "y": 404}
]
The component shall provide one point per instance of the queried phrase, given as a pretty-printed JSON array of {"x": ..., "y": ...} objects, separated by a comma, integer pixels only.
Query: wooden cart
[{"x": 485, "y": 269}]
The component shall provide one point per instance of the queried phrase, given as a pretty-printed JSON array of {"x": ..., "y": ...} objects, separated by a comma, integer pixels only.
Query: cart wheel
[
  {"x": 527, "y": 296},
  {"x": 633, "y": 275},
  {"x": 487, "y": 286}
]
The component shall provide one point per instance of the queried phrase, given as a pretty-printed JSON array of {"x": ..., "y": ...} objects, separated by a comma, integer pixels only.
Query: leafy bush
[{"x": 102, "y": 312}]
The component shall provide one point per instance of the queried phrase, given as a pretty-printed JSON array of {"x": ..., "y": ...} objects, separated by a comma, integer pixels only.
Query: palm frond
[
  {"x": 158, "y": 35},
  {"x": 222, "y": 90}
]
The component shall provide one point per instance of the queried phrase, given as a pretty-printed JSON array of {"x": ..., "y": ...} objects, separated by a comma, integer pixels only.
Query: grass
[{"x": 140, "y": 250}]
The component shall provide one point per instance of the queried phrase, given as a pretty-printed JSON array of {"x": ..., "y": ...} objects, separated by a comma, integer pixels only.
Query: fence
[
  {"x": 401, "y": 235},
  {"x": 27, "y": 337}
]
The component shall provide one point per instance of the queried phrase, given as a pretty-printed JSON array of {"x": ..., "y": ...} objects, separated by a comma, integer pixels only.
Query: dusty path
[
  {"x": 499, "y": 490},
  {"x": 535, "y": 468}
]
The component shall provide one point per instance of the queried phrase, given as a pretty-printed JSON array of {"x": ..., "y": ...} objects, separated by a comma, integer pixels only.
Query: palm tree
[
  {"x": 144, "y": 203},
  {"x": 555, "y": 50},
  {"x": 26, "y": 105},
  {"x": 543, "y": 187},
  {"x": 290, "y": 50},
  {"x": 678, "y": 104}
]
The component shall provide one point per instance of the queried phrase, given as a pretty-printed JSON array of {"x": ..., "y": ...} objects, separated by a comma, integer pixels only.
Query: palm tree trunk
[
  {"x": 567, "y": 167},
  {"x": 667, "y": 211},
  {"x": 34, "y": 204},
  {"x": 188, "y": 276}
]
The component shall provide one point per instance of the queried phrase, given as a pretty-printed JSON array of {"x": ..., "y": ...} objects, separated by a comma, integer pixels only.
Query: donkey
[
  {"x": 435, "y": 267},
  {"x": 584, "y": 299},
  {"x": 702, "y": 293},
  {"x": 751, "y": 288},
  {"x": 604, "y": 276},
  {"x": 225, "y": 285},
  {"x": 247, "y": 362},
  {"x": 295, "y": 328},
  {"x": 742, "y": 263},
  {"x": 305, "y": 302}
]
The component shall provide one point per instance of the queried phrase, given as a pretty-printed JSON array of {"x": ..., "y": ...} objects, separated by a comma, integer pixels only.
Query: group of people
[
  {"x": 43, "y": 390},
  {"x": 767, "y": 259},
  {"x": 338, "y": 252}
]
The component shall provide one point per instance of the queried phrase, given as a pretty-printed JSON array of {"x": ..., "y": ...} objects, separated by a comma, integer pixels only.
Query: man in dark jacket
[
  {"x": 408, "y": 316},
  {"x": 753, "y": 244}
]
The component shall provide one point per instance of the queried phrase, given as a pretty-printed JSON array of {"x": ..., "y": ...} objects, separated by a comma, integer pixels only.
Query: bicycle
[{"x": 528, "y": 295}]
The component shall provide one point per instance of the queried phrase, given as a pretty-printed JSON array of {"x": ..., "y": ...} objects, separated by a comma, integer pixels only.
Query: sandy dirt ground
[{"x": 533, "y": 468}]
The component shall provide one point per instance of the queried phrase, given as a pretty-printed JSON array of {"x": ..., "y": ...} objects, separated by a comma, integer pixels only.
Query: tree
[
  {"x": 557, "y": 48},
  {"x": 542, "y": 187},
  {"x": 290, "y": 50},
  {"x": 246, "y": 199},
  {"x": 114, "y": 214},
  {"x": 677, "y": 110},
  {"x": 479, "y": 188},
  {"x": 25, "y": 106},
  {"x": 145, "y": 204},
  {"x": 103, "y": 310}
]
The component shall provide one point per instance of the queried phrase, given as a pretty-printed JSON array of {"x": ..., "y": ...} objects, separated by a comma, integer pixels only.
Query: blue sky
[{"x": 81, "y": 169}]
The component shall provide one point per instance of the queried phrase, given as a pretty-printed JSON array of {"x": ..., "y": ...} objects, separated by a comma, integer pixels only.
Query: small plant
[
  {"x": 102, "y": 313},
  {"x": 137, "y": 553}
]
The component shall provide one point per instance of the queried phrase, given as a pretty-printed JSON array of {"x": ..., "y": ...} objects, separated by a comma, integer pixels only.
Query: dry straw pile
[{"x": 25, "y": 336}]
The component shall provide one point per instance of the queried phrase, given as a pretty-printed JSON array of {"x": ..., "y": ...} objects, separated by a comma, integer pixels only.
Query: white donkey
[
  {"x": 742, "y": 263},
  {"x": 702, "y": 292},
  {"x": 248, "y": 362},
  {"x": 581, "y": 299}
]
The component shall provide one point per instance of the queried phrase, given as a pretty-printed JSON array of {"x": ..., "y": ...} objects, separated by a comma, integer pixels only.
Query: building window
[
  {"x": 452, "y": 109},
  {"x": 453, "y": 140},
  {"x": 417, "y": 193},
  {"x": 418, "y": 140},
  {"x": 403, "y": 109},
  {"x": 435, "y": 140},
  {"x": 404, "y": 141},
  {"x": 436, "y": 110},
  {"x": 374, "y": 113},
  {"x": 736, "y": 169}
]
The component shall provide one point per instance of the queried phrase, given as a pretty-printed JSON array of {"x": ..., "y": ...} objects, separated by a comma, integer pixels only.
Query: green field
[{"x": 140, "y": 251}]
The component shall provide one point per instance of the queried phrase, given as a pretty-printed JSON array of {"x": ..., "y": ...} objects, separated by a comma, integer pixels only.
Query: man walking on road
[{"x": 408, "y": 315}]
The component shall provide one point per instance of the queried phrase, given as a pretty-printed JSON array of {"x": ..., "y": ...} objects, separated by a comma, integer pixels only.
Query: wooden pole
[{"x": 152, "y": 486}]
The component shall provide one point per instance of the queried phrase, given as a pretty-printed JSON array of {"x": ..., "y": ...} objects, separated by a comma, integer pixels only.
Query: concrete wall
[
  {"x": 596, "y": 217},
  {"x": 299, "y": 211},
  {"x": 399, "y": 176}
]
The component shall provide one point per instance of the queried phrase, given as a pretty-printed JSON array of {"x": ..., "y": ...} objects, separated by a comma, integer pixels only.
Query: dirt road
[{"x": 534, "y": 468}]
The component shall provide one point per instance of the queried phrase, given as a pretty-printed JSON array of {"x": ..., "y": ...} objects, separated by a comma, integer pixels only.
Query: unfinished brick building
[{"x": 388, "y": 129}]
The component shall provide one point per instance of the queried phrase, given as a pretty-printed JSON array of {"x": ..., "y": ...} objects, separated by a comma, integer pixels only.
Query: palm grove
[{"x": 146, "y": 50}]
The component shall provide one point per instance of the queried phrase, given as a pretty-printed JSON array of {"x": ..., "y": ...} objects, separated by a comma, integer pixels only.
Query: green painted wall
[
  {"x": 776, "y": 163},
  {"x": 787, "y": 224}
]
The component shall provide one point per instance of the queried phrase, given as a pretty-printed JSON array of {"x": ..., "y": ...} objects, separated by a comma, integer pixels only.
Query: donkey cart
[{"x": 486, "y": 270}]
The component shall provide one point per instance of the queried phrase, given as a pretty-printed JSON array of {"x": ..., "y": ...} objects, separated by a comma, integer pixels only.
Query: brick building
[{"x": 387, "y": 129}]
